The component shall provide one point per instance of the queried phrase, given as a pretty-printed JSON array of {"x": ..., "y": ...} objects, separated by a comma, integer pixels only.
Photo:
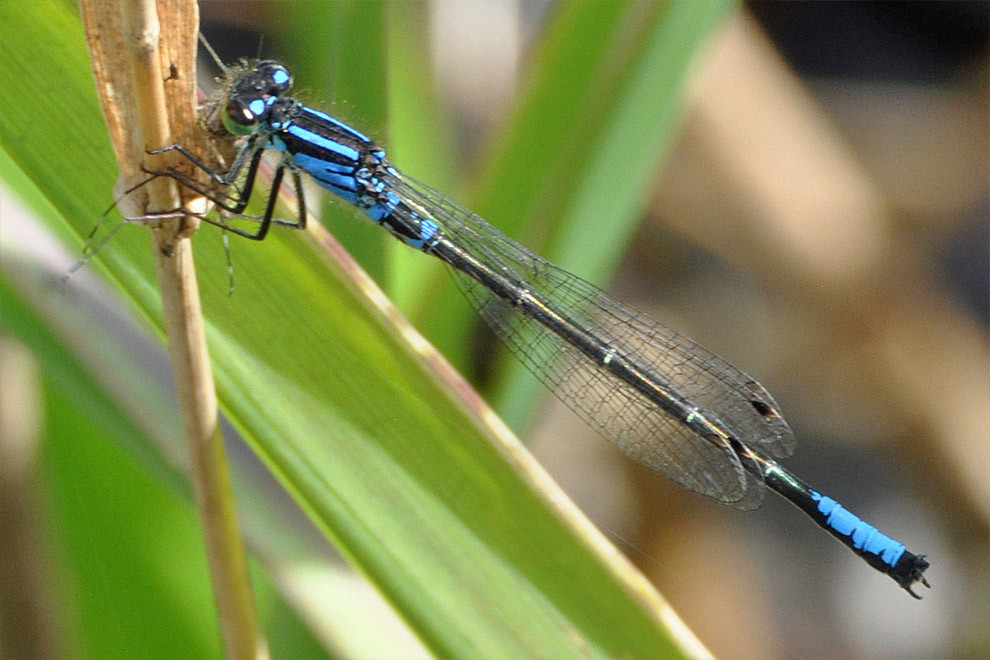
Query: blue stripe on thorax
[
  {"x": 327, "y": 172},
  {"x": 350, "y": 153},
  {"x": 325, "y": 117},
  {"x": 358, "y": 187}
]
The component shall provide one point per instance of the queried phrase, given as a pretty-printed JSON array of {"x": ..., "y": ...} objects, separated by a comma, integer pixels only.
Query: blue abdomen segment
[
  {"x": 878, "y": 550},
  {"x": 864, "y": 538}
]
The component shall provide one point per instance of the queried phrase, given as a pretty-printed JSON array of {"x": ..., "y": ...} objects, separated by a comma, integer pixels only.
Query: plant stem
[{"x": 149, "y": 69}]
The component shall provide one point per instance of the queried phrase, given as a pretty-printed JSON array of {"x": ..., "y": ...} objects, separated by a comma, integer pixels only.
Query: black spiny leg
[{"x": 236, "y": 205}]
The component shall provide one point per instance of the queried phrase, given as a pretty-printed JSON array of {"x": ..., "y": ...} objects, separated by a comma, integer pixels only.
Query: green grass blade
[
  {"x": 114, "y": 591},
  {"x": 610, "y": 184},
  {"x": 571, "y": 173},
  {"x": 130, "y": 584},
  {"x": 354, "y": 422}
]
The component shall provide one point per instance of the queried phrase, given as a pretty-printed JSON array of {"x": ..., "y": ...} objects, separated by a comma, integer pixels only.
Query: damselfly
[{"x": 665, "y": 401}]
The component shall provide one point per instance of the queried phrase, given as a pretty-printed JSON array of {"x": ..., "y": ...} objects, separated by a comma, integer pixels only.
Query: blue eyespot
[{"x": 257, "y": 106}]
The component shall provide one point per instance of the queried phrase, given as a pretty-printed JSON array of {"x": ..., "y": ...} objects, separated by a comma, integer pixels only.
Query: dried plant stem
[{"x": 143, "y": 101}]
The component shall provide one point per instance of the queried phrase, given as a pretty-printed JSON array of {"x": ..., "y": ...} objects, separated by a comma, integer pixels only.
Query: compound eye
[
  {"x": 243, "y": 114},
  {"x": 240, "y": 112},
  {"x": 279, "y": 78}
]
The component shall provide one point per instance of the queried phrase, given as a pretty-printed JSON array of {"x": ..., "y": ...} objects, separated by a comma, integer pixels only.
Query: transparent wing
[{"x": 640, "y": 428}]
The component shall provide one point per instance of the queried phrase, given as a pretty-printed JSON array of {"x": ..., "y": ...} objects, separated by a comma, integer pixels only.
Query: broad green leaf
[{"x": 386, "y": 453}]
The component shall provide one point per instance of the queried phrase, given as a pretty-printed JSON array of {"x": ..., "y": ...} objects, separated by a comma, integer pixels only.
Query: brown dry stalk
[{"x": 145, "y": 77}]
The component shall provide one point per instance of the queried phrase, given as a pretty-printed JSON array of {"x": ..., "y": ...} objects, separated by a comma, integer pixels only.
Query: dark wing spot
[{"x": 765, "y": 410}]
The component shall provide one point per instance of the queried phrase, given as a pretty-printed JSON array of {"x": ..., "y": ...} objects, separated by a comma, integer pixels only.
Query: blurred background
[{"x": 821, "y": 219}]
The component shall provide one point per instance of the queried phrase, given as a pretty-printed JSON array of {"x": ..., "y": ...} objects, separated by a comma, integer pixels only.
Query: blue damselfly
[{"x": 665, "y": 401}]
